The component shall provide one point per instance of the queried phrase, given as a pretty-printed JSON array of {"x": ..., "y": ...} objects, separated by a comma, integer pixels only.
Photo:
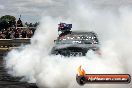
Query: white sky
[{"x": 31, "y": 10}]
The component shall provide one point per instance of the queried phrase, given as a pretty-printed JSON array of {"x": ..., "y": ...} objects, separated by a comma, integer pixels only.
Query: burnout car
[{"x": 71, "y": 43}]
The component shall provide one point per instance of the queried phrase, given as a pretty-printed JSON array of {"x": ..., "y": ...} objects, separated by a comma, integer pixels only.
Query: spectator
[
  {"x": 8, "y": 34},
  {"x": 29, "y": 33},
  {"x": 24, "y": 34},
  {"x": 16, "y": 34},
  {"x": 1, "y": 35}
]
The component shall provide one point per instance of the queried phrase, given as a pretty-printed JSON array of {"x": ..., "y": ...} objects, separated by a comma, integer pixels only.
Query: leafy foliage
[{"x": 7, "y": 21}]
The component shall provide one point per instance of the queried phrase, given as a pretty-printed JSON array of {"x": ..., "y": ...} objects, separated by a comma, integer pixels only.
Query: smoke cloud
[{"x": 35, "y": 64}]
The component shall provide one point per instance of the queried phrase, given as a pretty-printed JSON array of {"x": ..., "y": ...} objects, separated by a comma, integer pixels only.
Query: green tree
[
  {"x": 36, "y": 24},
  {"x": 7, "y": 21},
  {"x": 8, "y": 18},
  {"x": 26, "y": 24},
  {"x": 31, "y": 25},
  {"x": 3, "y": 25}
]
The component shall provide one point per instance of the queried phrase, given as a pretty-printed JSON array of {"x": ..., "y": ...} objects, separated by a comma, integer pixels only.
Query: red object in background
[{"x": 83, "y": 78}]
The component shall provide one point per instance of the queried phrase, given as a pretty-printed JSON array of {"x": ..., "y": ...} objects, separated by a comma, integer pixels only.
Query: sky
[{"x": 33, "y": 10}]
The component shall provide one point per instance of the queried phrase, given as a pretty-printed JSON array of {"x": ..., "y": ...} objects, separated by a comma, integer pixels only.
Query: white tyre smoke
[{"x": 114, "y": 31}]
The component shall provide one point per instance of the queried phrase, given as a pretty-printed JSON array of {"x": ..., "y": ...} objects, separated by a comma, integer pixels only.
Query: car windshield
[{"x": 80, "y": 39}]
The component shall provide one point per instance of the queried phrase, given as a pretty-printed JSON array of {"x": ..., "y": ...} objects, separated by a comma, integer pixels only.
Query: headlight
[
  {"x": 78, "y": 37},
  {"x": 68, "y": 37},
  {"x": 71, "y": 38},
  {"x": 95, "y": 42}
]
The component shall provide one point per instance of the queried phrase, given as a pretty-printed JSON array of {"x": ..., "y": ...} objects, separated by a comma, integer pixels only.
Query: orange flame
[{"x": 81, "y": 71}]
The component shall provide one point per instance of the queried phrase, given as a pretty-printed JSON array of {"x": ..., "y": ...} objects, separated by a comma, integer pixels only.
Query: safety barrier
[{"x": 7, "y": 44}]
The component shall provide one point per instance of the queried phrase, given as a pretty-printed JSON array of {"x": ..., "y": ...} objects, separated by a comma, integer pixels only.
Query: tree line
[{"x": 7, "y": 21}]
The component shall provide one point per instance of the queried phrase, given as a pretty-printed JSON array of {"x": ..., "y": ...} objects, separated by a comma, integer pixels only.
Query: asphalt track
[{"x": 7, "y": 81}]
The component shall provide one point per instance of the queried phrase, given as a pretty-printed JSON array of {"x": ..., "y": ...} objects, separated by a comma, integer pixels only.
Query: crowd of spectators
[{"x": 11, "y": 33}]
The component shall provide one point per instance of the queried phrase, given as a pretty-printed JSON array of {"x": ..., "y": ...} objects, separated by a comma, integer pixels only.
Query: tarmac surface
[{"x": 7, "y": 81}]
